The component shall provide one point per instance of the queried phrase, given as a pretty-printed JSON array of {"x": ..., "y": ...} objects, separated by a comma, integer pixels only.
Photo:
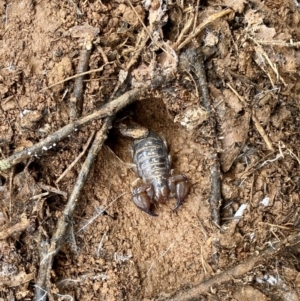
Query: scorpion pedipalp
[
  {"x": 179, "y": 185},
  {"x": 142, "y": 197}
]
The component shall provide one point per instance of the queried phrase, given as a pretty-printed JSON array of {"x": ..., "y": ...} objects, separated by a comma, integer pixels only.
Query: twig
[
  {"x": 254, "y": 119},
  {"x": 76, "y": 100},
  {"x": 146, "y": 29},
  {"x": 75, "y": 76},
  {"x": 280, "y": 227},
  {"x": 215, "y": 196},
  {"x": 108, "y": 109},
  {"x": 195, "y": 58},
  {"x": 104, "y": 57},
  {"x": 53, "y": 190},
  {"x": 201, "y": 26},
  {"x": 43, "y": 277},
  {"x": 140, "y": 46},
  {"x": 239, "y": 270},
  {"x": 77, "y": 158},
  {"x": 196, "y": 15}
]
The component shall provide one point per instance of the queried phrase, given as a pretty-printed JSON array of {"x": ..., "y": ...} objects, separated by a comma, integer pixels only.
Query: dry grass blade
[
  {"x": 86, "y": 146},
  {"x": 75, "y": 76},
  {"x": 76, "y": 100},
  {"x": 254, "y": 119},
  {"x": 200, "y": 27}
]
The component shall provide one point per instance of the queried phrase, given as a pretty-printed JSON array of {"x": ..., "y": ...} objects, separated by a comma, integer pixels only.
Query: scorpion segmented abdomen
[{"x": 151, "y": 158}]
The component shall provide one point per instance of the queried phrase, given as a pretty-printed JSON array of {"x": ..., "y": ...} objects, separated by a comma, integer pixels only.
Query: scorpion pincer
[{"x": 153, "y": 165}]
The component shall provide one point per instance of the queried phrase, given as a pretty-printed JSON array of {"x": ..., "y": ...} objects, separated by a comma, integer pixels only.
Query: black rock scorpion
[{"x": 150, "y": 155}]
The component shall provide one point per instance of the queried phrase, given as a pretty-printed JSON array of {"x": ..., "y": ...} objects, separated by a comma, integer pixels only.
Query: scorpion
[{"x": 153, "y": 165}]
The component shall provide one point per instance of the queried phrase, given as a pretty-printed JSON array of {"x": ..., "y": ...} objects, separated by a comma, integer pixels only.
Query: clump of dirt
[{"x": 112, "y": 250}]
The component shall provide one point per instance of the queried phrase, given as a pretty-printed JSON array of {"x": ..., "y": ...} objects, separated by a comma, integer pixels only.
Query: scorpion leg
[
  {"x": 142, "y": 197},
  {"x": 179, "y": 185}
]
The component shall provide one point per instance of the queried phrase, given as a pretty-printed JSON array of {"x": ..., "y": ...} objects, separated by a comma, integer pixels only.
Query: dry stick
[
  {"x": 76, "y": 100},
  {"x": 43, "y": 278},
  {"x": 108, "y": 109},
  {"x": 256, "y": 122},
  {"x": 201, "y": 26},
  {"x": 215, "y": 197},
  {"x": 52, "y": 189},
  {"x": 238, "y": 271},
  {"x": 196, "y": 15}
]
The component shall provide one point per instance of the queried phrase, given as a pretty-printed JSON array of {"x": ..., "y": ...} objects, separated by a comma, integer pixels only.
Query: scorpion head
[{"x": 161, "y": 189}]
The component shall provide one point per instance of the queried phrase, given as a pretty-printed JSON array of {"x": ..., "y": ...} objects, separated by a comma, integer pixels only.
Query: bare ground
[{"x": 252, "y": 63}]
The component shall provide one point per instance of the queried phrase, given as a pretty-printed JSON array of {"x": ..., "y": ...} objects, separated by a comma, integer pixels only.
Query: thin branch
[
  {"x": 108, "y": 109},
  {"x": 56, "y": 241},
  {"x": 215, "y": 196},
  {"x": 76, "y": 100},
  {"x": 237, "y": 271}
]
